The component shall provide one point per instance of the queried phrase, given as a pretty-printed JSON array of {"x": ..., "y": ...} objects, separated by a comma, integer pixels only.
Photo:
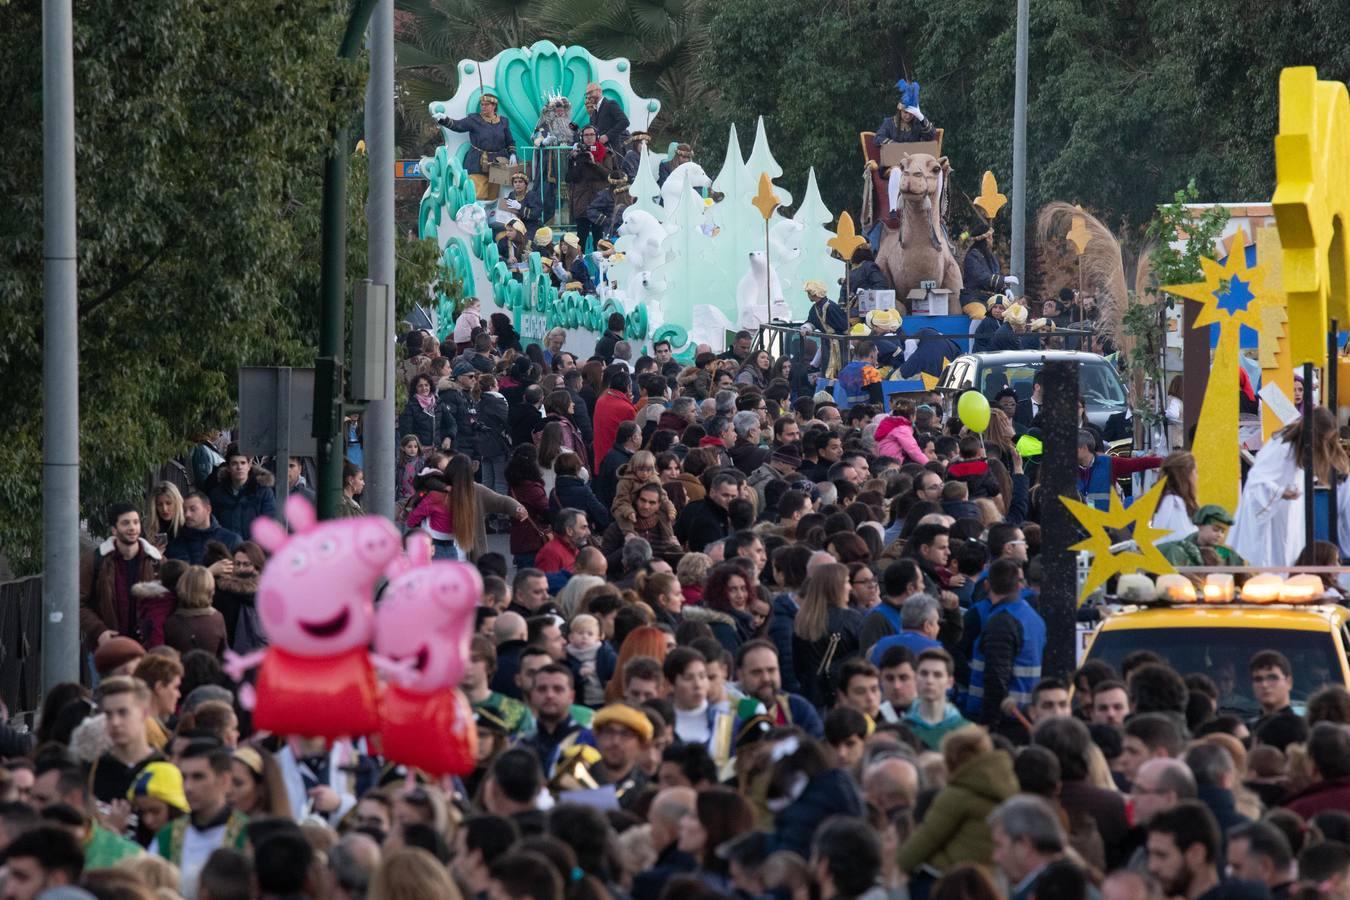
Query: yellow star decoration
[
  {"x": 1218, "y": 284},
  {"x": 847, "y": 240},
  {"x": 1078, "y": 234},
  {"x": 1098, "y": 542},
  {"x": 766, "y": 201},
  {"x": 990, "y": 200},
  {"x": 930, "y": 381}
]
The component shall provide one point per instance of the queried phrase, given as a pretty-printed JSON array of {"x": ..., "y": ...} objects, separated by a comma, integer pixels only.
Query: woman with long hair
[
  {"x": 1173, "y": 413},
  {"x": 412, "y": 873},
  {"x": 645, "y": 640},
  {"x": 471, "y": 504},
  {"x": 756, "y": 370},
  {"x": 165, "y": 515},
  {"x": 526, "y": 485},
  {"x": 1000, "y": 434},
  {"x": 825, "y": 632},
  {"x": 719, "y": 815},
  {"x": 425, "y": 415},
  {"x": 726, "y": 604},
  {"x": 1268, "y": 525},
  {"x": 559, "y": 407},
  {"x": 256, "y": 786},
  {"x": 1178, "y": 503},
  {"x": 592, "y": 382},
  {"x": 661, "y": 591},
  {"x": 550, "y": 447}
]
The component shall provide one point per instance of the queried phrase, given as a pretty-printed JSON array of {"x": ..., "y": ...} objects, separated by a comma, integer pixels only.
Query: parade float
[{"x": 696, "y": 257}]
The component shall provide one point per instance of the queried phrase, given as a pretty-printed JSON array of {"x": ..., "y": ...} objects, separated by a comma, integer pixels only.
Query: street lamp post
[{"x": 1019, "y": 189}]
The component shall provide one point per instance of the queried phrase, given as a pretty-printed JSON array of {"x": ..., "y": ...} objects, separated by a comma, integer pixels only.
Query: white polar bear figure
[
  {"x": 640, "y": 238},
  {"x": 759, "y": 282},
  {"x": 646, "y": 290},
  {"x": 786, "y": 237},
  {"x": 690, "y": 175}
]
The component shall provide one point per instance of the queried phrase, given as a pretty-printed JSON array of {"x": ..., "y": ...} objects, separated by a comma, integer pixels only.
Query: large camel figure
[{"x": 914, "y": 246}]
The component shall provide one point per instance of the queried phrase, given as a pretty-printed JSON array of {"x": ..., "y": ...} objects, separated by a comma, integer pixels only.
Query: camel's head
[{"x": 921, "y": 176}]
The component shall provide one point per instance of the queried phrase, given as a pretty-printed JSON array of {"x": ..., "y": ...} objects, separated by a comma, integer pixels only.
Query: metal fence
[{"x": 20, "y": 637}]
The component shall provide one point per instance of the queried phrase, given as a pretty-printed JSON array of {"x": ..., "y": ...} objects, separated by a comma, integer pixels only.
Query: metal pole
[
  {"x": 333, "y": 290},
  {"x": 379, "y": 417},
  {"x": 1309, "y": 510},
  {"x": 1019, "y": 193},
  {"x": 1333, "y": 404},
  {"x": 282, "y": 452},
  {"x": 60, "y": 356},
  {"x": 1059, "y": 530}
]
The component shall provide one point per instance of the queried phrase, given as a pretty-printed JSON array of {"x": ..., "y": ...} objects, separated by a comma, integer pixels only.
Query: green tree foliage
[
  {"x": 664, "y": 39},
  {"x": 201, "y": 131},
  {"x": 1128, "y": 98}
]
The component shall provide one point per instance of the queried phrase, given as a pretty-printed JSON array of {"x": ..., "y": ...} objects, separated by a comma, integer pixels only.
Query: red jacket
[
  {"x": 556, "y": 556},
  {"x": 1320, "y": 797},
  {"x": 612, "y": 408}
]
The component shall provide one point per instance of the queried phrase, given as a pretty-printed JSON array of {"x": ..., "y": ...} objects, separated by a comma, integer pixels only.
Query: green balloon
[{"x": 973, "y": 409}]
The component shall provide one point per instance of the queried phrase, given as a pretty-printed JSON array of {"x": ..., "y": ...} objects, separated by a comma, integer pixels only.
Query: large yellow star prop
[
  {"x": 1135, "y": 519},
  {"x": 1222, "y": 283}
]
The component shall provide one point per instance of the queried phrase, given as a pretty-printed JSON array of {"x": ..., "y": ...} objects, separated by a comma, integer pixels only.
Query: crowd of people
[{"x": 734, "y": 641}]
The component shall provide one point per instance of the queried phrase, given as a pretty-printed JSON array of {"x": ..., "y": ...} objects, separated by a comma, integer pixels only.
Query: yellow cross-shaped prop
[
  {"x": 766, "y": 201},
  {"x": 990, "y": 200},
  {"x": 847, "y": 240}
]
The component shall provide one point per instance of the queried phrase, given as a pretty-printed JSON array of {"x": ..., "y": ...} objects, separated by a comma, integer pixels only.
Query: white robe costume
[
  {"x": 1268, "y": 529},
  {"x": 1171, "y": 515}
]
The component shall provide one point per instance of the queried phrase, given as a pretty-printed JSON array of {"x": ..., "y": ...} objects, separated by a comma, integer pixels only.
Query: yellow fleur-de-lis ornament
[
  {"x": 1078, "y": 234},
  {"x": 766, "y": 201},
  {"x": 990, "y": 200},
  {"x": 847, "y": 240}
]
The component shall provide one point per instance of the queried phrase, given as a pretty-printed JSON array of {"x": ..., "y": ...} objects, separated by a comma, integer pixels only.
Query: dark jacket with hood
[
  {"x": 463, "y": 409},
  {"x": 189, "y": 544},
  {"x": 831, "y": 793},
  {"x": 493, "y": 441},
  {"x": 730, "y": 627},
  {"x": 234, "y": 593},
  {"x": 236, "y": 508},
  {"x": 701, "y": 523},
  {"x": 976, "y": 476},
  {"x": 954, "y": 830},
  {"x": 569, "y": 491}
]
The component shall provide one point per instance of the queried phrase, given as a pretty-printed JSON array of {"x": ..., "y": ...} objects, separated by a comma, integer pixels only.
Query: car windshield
[
  {"x": 1098, "y": 384},
  {"x": 1222, "y": 654}
]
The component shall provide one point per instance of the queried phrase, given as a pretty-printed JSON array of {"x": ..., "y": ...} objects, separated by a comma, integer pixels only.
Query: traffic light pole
[{"x": 328, "y": 367}]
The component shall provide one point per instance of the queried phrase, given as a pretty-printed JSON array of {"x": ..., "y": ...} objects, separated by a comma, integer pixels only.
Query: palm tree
[
  {"x": 432, "y": 36},
  {"x": 661, "y": 38}
]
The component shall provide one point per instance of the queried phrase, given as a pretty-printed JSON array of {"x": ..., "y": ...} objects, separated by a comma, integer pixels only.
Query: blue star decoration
[{"x": 1236, "y": 299}]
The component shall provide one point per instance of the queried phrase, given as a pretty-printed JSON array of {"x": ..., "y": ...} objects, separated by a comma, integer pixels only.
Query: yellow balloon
[{"x": 973, "y": 409}]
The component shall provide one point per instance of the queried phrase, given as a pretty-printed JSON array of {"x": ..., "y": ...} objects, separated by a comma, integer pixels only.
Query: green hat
[{"x": 1211, "y": 513}]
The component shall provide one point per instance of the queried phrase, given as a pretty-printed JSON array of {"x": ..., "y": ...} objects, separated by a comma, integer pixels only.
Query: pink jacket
[
  {"x": 895, "y": 438},
  {"x": 434, "y": 509}
]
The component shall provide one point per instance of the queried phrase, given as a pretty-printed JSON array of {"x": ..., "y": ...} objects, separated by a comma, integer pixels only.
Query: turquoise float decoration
[{"x": 687, "y": 269}]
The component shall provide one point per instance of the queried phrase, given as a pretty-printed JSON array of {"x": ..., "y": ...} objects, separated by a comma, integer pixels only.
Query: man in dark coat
[
  {"x": 199, "y": 526},
  {"x": 704, "y": 521},
  {"x": 611, "y": 125},
  {"x": 243, "y": 494},
  {"x": 109, "y": 572},
  {"x": 627, "y": 441}
]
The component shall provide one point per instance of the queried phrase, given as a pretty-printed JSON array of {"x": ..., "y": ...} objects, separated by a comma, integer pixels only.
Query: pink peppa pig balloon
[
  {"x": 422, "y": 631},
  {"x": 314, "y": 601}
]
